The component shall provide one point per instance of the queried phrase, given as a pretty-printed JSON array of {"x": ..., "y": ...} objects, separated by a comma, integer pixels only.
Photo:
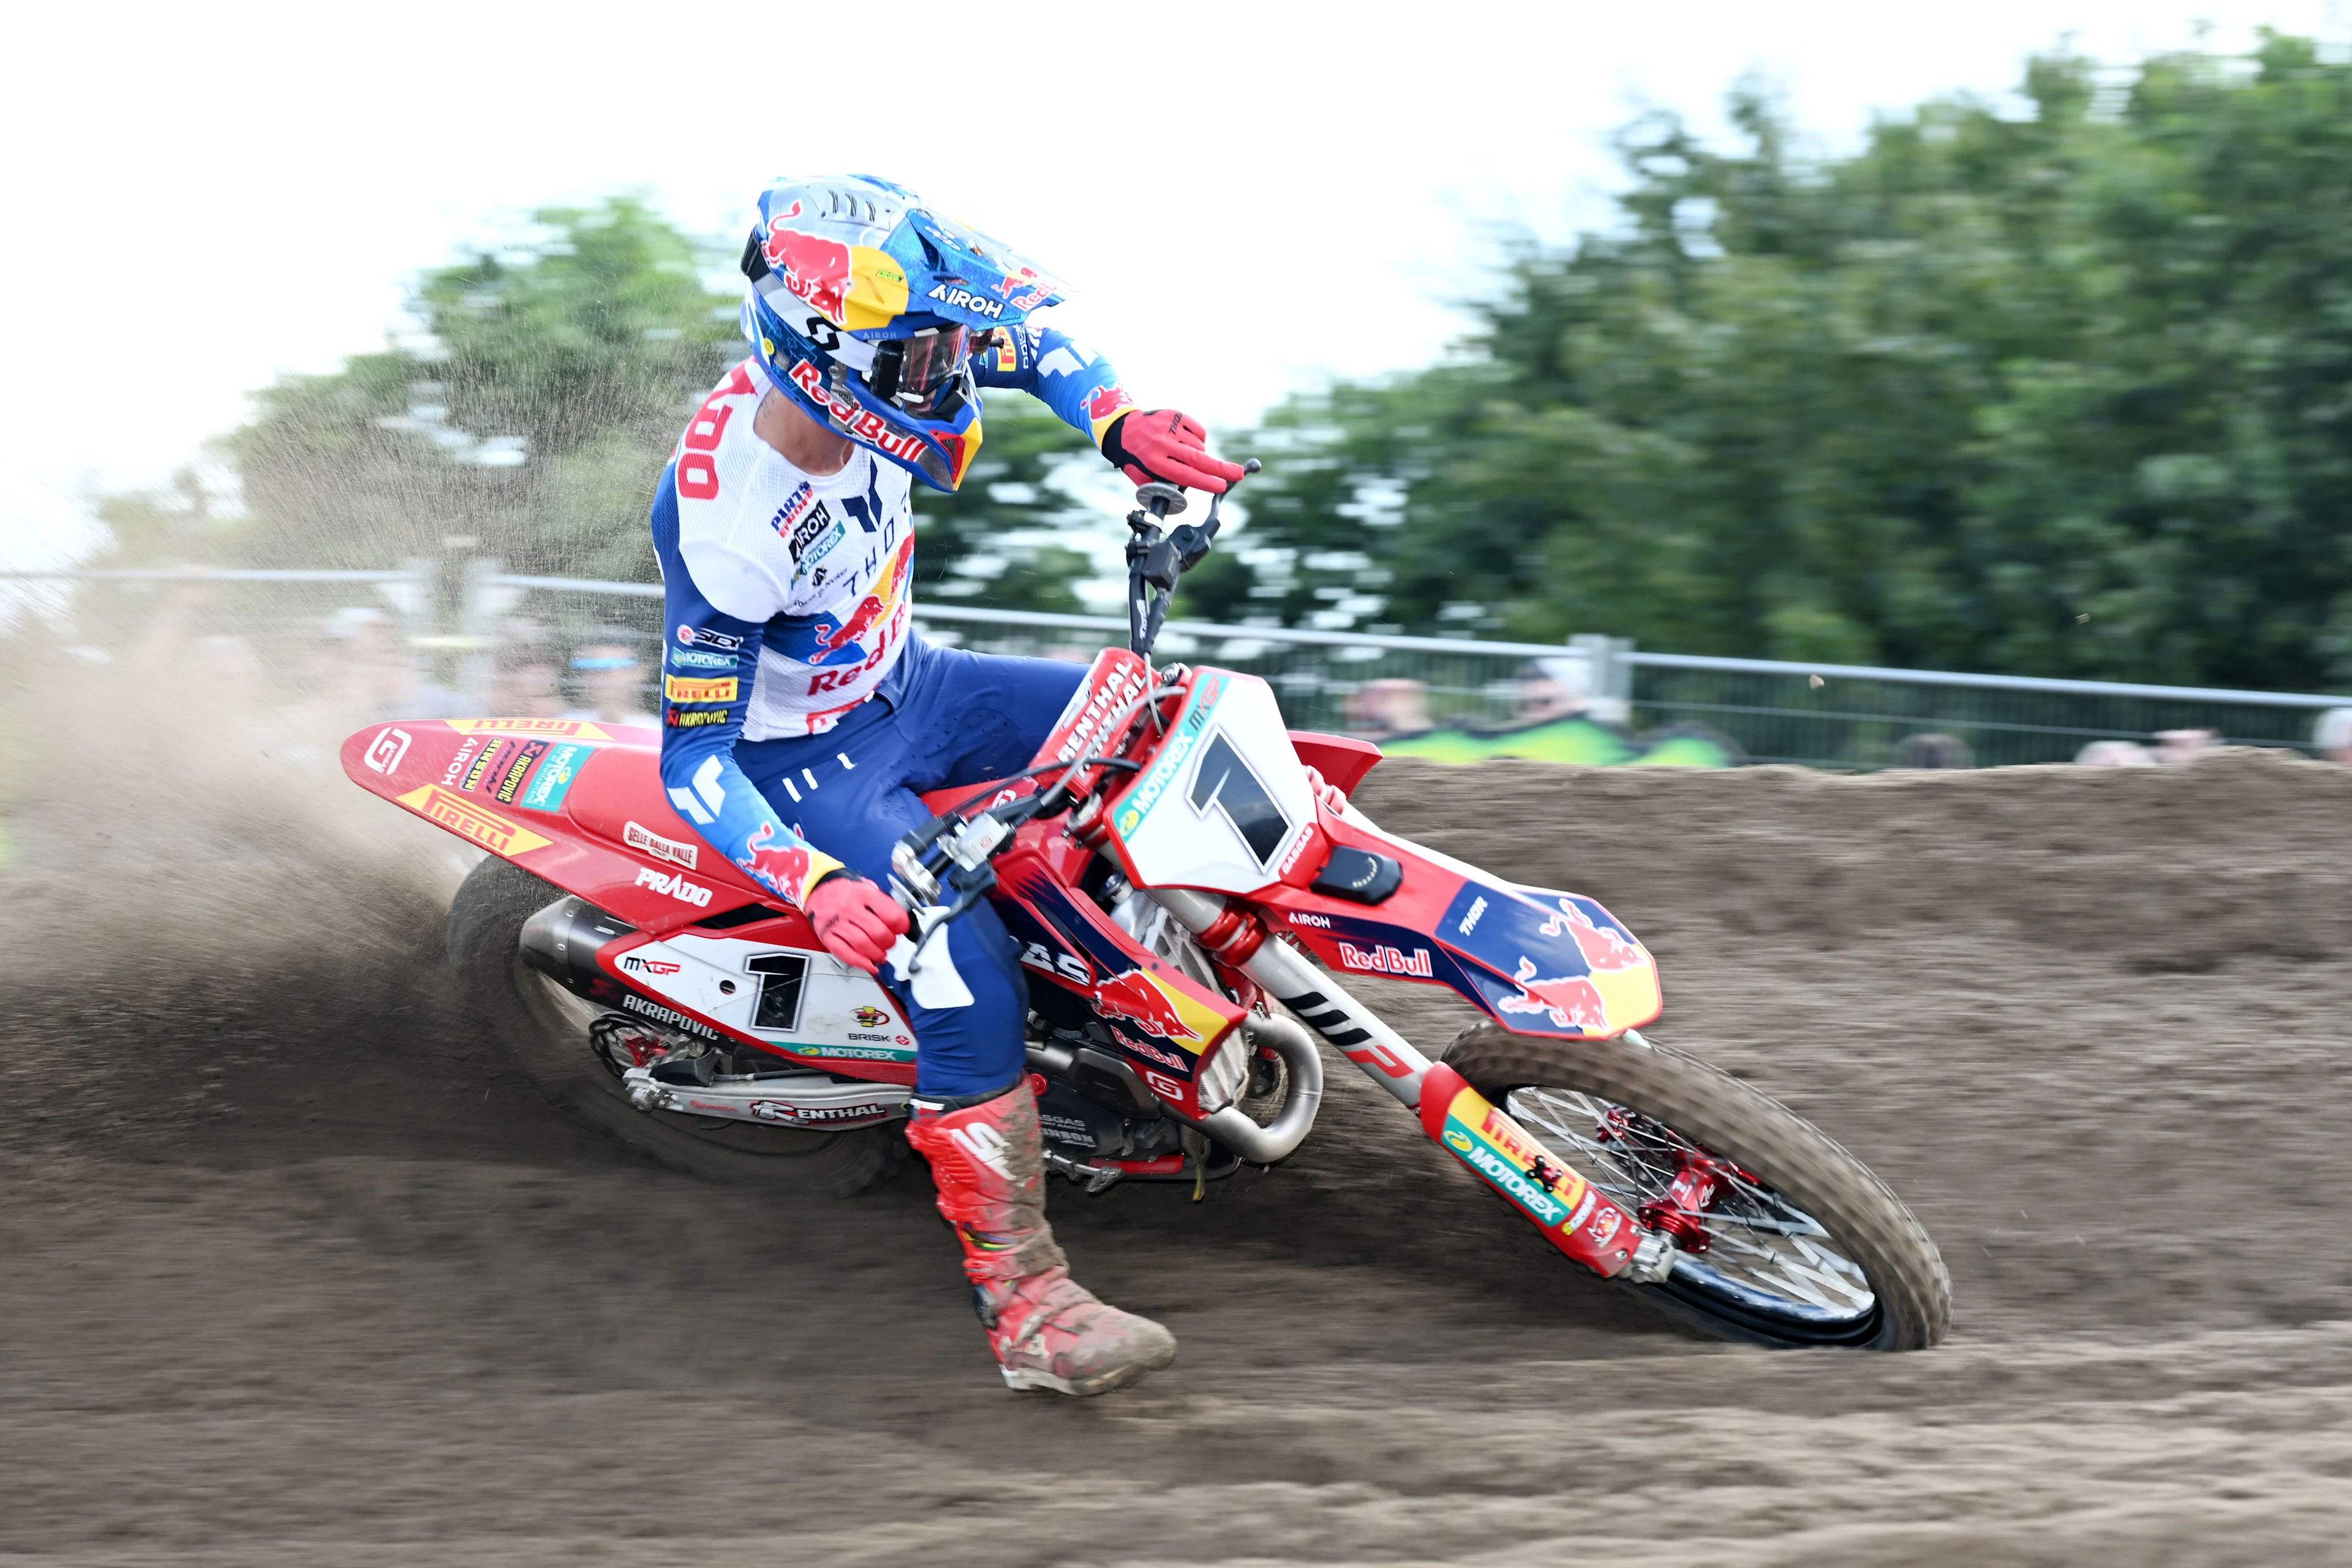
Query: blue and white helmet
[{"x": 864, "y": 309}]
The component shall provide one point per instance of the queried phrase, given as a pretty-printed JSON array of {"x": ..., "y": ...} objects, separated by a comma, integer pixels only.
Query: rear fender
[{"x": 576, "y": 804}]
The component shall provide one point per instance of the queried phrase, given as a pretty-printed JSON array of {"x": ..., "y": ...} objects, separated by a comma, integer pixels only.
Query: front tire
[
  {"x": 1620, "y": 1111},
  {"x": 544, "y": 1029}
]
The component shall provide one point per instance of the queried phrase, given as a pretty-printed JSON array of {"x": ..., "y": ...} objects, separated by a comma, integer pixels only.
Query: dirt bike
[{"x": 1186, "y": 893}]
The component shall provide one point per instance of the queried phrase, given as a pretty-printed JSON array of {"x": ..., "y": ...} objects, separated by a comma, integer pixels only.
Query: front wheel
[{"x": 1784, "y": 1239}]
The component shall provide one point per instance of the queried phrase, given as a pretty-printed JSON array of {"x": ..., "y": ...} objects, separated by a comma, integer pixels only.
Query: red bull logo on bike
[
  {"x": 1385, "y": 960},
  {"x": 1570, "y": 1001},
  {"x": 1140, "y": 998},
  {"x": 1550, "y": 963},
  {"x": 467, "y": 820},
  {"x": 1603, "y": 947}
]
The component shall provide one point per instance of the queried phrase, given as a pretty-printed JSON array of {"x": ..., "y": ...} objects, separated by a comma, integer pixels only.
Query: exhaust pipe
[{"x": 1280, "y": 1138}]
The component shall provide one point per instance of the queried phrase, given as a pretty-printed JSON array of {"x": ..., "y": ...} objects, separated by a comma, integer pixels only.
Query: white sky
[{"x": 1246, "y": 196}]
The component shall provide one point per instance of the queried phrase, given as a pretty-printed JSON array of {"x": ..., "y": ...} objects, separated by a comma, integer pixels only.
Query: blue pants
[{"x": 945, "y": 717}]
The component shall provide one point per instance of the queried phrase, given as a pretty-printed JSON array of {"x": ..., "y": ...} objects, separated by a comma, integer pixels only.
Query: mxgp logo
[
  {"x": 384, "y": 753},
  {"x": 678, "y": 888}
]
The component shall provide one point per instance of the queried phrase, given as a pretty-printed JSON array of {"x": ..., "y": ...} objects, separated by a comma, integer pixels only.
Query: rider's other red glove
[
  {"x": 1334, "y": 798},
  {"x": 855, "y": 921},
  {"x": 1162, "y": 444}
]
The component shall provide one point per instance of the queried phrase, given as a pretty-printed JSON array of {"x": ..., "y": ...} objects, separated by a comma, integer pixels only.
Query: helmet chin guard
[{"x": 865, "y": 307}]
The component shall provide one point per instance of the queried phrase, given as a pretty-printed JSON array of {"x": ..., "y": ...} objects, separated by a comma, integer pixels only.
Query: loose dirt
[{"x": 294, "y": 1269}]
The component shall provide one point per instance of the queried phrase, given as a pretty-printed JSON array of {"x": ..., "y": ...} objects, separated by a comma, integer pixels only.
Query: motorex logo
[
  {"x": 1189, "y": 730},
  {"x": 1489, "y": 1162}
]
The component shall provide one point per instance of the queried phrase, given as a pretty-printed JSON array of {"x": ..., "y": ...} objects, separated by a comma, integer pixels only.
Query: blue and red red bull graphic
[{"x": 1550, "y": 963}]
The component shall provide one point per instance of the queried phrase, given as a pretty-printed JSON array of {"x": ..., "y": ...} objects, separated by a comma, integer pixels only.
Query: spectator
[
  {"x": 2332, "y": 736},
  {"x": 609, "y": 676},
  {"x": 1382, "y": 710},
  {"x": 2180, "y": 745},
  {"x": 1933, "y": 750},
  {"x": 526, "y": 685}
]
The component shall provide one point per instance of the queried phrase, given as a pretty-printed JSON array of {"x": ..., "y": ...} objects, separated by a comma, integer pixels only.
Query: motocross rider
[{"x": 801, "y": 717}]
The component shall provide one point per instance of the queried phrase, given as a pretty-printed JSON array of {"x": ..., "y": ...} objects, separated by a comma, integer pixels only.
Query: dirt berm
[{"x": 294, "y": 1270}]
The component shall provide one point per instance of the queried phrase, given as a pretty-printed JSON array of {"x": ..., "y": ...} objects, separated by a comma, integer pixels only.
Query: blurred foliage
[
  {"x": 537, "y": 410},
  {"x": 2065, "y": 389}
]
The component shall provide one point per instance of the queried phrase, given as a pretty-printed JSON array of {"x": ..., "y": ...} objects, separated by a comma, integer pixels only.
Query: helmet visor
[{"x": 915, "y": 372}]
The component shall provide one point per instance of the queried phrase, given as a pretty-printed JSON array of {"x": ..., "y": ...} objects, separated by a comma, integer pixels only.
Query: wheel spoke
[{"x": 1761, "y": 1246}]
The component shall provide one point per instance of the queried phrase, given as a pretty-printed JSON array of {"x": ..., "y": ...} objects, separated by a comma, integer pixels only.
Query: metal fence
[{"x": 457, "y": 617}]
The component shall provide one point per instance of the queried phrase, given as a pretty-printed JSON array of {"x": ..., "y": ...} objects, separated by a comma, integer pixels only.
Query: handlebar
[
  {"x": 1155, "y": 563},
  {"x": 952, "y": 854}
]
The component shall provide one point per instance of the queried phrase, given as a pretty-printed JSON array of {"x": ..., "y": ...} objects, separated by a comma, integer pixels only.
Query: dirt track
[{"x": 293, "y": 1271}]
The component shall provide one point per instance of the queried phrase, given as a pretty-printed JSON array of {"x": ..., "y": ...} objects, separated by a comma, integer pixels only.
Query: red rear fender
[{"x": 577, "y": 804}]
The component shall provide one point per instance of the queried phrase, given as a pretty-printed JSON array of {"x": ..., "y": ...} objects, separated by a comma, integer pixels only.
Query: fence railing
[{"x": 1821, "y": 715}]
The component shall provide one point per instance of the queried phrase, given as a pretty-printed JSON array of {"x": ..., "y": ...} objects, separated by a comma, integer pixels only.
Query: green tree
[{"x": 2068, "y": 392}]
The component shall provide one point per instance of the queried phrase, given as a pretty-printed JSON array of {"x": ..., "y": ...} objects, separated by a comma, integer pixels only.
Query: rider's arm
[
  {"x": 1076, "y": 382},
  {"x": 709, "y": 658},
  {"x": 1080, "y": 386}
]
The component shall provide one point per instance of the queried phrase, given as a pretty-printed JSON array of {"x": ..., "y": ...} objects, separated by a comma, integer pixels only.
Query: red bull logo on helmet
[
  {"x": 1570, "y": 1001},
  {"x": 816, "y": 269},
  {"x": 1136, "y": 997}
]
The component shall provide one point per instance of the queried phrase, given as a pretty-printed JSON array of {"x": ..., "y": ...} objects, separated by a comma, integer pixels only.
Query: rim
[{"x": 1764, "y": 1262}]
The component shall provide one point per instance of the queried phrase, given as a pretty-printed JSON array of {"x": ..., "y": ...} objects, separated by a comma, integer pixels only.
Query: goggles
[{"x": 921, "y": 372}]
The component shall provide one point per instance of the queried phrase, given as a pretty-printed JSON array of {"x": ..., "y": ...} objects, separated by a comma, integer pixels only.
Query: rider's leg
[{"x": 958, "y": 717}]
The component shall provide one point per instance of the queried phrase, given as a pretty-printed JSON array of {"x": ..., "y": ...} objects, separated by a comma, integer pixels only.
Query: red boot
[{"x": 1046, "y": 1330}]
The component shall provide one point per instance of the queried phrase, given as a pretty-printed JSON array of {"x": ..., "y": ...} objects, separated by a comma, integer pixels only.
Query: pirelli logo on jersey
[
  {"x": 686, "y": 689},
  {"x": 467, "y": 820}
]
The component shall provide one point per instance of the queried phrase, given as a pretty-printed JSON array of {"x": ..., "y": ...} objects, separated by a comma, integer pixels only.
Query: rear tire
[
  {"x": 1867, "y": 1223},
  {"x": 545, "y": 1030}
]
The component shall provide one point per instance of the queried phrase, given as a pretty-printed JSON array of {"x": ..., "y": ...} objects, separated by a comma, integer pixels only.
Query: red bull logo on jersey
[
  {"x": 816, "y": 269},
  {"x": 1603, "y": 947},
  {"x": 1138, "y": 998},
  {"x": 781, "y": 868},
  {"x": 1570, "y": 1001},
  {"x": 1105, "y": 403},
  {"x": 876, "y": 608}
]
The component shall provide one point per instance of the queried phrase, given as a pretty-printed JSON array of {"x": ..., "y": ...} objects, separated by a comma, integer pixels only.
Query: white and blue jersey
[{"x": 788, "y": 595}]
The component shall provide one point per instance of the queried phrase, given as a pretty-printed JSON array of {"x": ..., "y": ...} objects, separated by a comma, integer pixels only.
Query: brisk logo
[
  {"x": 1386, "y": 959},
  {"x": 678, "y": 888}
]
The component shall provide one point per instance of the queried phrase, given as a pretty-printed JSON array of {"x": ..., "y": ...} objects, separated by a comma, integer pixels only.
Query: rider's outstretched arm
[
  {"x": 1080, "y": 386},
  {"x": 709, "y": 659}
]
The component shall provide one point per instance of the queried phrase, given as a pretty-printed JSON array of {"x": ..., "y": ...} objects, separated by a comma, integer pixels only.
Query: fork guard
[{"x": 1557, "y": 1201}]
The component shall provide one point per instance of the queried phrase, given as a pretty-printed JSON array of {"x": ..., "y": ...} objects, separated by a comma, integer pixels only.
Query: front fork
[{"x": 1555, "y": 1199}]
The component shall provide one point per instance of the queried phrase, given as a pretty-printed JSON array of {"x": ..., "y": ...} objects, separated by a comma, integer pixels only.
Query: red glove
[
  {"x": 855, "y": 921},
  {"x": 1334, "y": 798},
  {"x": 1162, "y": 444}
]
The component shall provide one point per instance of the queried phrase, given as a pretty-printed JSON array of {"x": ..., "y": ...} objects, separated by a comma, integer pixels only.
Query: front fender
[{"x": 1536, "y": 961}]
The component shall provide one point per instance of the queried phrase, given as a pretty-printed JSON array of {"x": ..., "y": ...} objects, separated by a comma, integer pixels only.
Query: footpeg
[{"x": 1093, "y": 1178}]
